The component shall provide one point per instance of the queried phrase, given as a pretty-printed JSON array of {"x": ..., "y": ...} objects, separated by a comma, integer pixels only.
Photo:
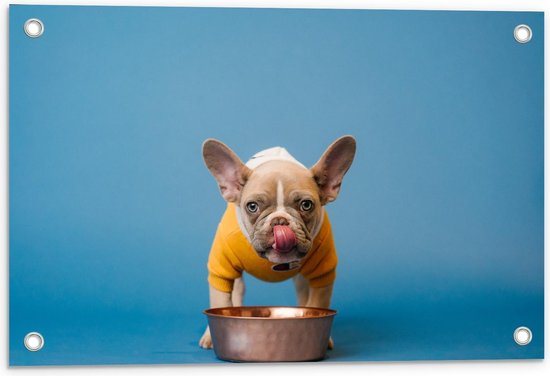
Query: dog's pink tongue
[{"x": 285, "y": 239}]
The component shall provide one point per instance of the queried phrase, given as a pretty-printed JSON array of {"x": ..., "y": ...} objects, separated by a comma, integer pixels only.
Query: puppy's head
[{"x": 279, "y": 202}]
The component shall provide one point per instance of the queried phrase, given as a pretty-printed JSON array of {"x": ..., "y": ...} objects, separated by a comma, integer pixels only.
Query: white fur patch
[
  {"x": 280, "y": 211},
  {"x": 273, "y": 154},
  {"x": 280, "y": 197}
]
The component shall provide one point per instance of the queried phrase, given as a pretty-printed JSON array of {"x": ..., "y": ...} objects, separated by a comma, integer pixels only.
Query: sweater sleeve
[
  {"x": 223, "y": 266},
  {"x": 320, "y": 269},
  {"x": 325, "y": 272}
]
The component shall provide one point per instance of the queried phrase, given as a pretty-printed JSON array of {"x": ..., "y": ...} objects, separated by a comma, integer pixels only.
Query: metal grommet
[
  {"x": 33, "y": 27},
  {"x": 523, "y": 335},
  {"x": 523, "y": 33},
  {"x": 34, "y": 341}
]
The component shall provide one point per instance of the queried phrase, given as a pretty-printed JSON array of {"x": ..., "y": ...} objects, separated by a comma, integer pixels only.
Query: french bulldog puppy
[{"x": 275, "y": 226}]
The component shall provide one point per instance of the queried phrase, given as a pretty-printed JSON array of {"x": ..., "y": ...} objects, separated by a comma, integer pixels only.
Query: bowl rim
[{"x": 329, "y": 313}]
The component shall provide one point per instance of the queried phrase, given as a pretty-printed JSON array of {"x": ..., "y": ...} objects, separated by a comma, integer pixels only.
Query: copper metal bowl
[{"x": 270, "y": 334}]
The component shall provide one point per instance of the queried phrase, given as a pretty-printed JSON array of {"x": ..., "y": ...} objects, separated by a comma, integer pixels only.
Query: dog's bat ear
[
  {"x": 330, "y": 169},
  {"x": 228, "y": 170}
]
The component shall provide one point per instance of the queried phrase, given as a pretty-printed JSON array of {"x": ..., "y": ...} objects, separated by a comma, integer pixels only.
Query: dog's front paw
[
  {"x": 330, "y": 343},
  {"x": 206, "y": 340}
]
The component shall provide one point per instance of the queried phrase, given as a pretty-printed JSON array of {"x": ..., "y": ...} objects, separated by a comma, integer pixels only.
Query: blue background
[{"x": 439, "y": 225}]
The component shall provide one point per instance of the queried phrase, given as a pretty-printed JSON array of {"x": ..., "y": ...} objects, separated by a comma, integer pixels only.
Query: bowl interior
[{"x": 270, "y": 312}]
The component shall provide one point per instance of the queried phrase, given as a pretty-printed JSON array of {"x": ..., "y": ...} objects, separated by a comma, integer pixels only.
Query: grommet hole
[
  {"x": 34, "y": 27},
  {"x": 523, "y": 33},
  {"x": 523, "y": 336},
  {"x": 34, "y": 341}
]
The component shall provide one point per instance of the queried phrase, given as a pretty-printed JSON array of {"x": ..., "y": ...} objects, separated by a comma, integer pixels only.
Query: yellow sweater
[{"x": 232, "y": 253}]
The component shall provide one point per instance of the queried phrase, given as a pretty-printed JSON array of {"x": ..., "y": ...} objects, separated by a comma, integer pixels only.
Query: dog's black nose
[{"x": 279, "y": 221}]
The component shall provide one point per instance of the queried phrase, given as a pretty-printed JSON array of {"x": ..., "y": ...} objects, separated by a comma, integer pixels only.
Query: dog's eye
[
  {"x": 306, "y": 205},
  {"x": 252, "y": 207}
]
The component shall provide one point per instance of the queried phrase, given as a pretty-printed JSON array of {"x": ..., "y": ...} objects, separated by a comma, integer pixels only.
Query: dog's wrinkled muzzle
[{"x": 284, "y": 237}]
